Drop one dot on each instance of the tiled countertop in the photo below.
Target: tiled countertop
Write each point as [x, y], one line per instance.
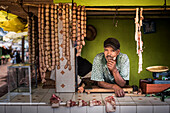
[41, 103]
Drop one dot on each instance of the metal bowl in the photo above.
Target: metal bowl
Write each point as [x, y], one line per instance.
[157, 68]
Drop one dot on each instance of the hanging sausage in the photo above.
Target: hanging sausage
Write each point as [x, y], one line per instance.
[53, 38]
[39, 41]
[50, 19]
[82, 25]
[42, 39]
[64, 31]
[57, 54]
[74, 19]
[47, 39]
[79, 46]
[29, 37]
[68, 64]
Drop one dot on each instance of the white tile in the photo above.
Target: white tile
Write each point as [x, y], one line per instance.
[96, 96]
[2, 109]
[43, 90]
[117, 110]
[161, 109]
[143, 103]
[45, 109]
[77, 109]
[51, 91]
[66, 96]
[78, 96]
[127, 103]
[72, 59]
[4, 98]
[29, 109]
[104, 95]
[144, 109]
[127, 109]
[40, 90]
[13, 109]
[47, 97]
[95, 109]
[37, 97]
[62, 110]
[87, 97]
[158, 102]
[125, 99]
[65, 82]
[140, 99]
[167, 101]
[21, 98]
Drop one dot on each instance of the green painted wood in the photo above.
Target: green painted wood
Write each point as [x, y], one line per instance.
[62, 1]
[116, 2]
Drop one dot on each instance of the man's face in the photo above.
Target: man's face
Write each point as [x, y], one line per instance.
[110, 53]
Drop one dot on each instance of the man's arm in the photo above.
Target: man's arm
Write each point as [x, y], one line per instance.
[112, 68]
[118, 79]
[105, 84]
[118, 91]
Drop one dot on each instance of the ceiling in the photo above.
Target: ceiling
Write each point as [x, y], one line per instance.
[21, 7]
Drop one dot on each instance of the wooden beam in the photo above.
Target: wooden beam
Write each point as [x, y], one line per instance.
[125, 9]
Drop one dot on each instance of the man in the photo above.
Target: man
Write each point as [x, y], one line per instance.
[111, 68]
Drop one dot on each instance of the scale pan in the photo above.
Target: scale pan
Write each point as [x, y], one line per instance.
[157, 68]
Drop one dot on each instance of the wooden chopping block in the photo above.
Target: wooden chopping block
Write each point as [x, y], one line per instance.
[96, 89]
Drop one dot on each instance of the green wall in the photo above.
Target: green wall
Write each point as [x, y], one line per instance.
[156, 45]
[116, 2]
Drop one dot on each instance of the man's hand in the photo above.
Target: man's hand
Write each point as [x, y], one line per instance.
[80, 90]
[118, 91]
[111, 64]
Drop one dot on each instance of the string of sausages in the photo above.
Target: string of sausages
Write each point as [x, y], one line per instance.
[79, 27]
[73, 31]
[33, 42]
[57, 52]
[138, 36]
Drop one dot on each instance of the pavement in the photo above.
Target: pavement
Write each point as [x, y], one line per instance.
[3, 78]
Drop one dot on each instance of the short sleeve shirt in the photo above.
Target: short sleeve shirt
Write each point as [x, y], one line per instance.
[100, 71]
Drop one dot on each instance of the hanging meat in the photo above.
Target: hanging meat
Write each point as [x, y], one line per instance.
[51, 19]
[43, 69]
[57, 51]
[29, 37]
[47, 39]
[53, 38]
[39, 41]
[68, 64]
[81, 25]
[74, 27]
[64, 31]
[138, 36]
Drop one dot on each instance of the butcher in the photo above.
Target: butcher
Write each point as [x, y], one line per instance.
[111, 68]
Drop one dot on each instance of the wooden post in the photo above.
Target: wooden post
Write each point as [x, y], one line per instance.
[23, 42]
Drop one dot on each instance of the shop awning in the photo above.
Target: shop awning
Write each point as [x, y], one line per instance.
[11, 22]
